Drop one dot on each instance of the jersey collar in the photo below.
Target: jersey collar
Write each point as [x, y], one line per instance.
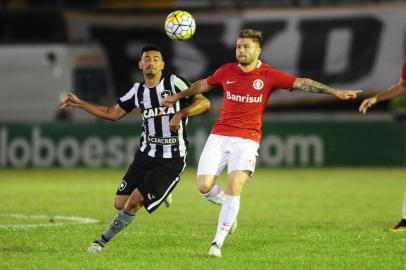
[259, 63]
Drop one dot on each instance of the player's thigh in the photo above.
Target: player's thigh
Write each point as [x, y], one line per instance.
[160, 179]
[243, 155]
[236, 181]
[133, 177]
[214, 156]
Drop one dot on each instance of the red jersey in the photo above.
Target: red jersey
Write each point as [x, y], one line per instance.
[404, 70]
[245, 97]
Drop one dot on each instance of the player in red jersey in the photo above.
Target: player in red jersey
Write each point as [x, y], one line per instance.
[234, 139]
[392, 92]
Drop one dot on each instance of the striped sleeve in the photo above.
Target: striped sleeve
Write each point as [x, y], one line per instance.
[181, 84]
[129, 101]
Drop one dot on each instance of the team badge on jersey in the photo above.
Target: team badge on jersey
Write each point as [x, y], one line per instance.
[258, 84]
[165, 93]
[123, 185]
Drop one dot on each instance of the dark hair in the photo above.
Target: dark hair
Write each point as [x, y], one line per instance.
[151, 47]
[251, 33]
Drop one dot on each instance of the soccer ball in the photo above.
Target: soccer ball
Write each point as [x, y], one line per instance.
[180, 25]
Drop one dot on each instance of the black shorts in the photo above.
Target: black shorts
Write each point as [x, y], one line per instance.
[154, 177]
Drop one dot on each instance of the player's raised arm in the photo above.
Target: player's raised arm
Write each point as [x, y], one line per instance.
[392, 92]
[199, 105]
[312, 86]
[105, 112]
[198, 87]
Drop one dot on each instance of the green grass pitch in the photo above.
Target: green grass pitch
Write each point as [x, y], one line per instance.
[289, 219]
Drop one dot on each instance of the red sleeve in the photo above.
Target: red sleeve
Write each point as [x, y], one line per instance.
[216, 77]
[404, 70]
[281, 80]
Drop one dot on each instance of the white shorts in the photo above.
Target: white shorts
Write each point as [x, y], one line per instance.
[237, 153]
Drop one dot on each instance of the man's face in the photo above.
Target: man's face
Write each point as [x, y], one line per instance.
[247, 51]
[151, 63]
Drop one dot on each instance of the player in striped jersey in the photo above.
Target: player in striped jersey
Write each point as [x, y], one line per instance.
[392, 92]
[160, 160]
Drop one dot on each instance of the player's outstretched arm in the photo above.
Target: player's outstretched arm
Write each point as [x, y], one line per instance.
[199, 104]
[309, 85]
[392, 92]
[105, 112]
[196, 88]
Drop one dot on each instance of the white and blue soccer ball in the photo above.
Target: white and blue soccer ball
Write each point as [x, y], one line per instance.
[180, 25]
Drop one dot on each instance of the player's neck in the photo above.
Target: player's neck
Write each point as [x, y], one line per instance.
[250, 67]
[152, 81]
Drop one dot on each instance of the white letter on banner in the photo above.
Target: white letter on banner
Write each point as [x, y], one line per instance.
[63, 157]
[3, 147]
[92, 152]
[19, 159]
[39, 144]
[268, 144]
[304, 144]
[115, 152]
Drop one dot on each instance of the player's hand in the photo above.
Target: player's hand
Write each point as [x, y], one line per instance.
[369, 102]
[347, 94]
[174, 124]
[70, 100]
[169, 100]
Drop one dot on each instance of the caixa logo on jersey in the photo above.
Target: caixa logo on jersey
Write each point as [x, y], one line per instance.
[157, 111]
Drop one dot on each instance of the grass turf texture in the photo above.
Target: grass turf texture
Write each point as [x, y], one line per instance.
[289, 219]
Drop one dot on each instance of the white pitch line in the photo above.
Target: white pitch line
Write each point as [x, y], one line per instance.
[72, 219]
[27, 226]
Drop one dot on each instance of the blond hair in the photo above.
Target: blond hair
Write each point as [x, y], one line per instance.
[256, 36]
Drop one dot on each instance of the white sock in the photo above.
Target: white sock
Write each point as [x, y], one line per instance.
[228, 214]
[215, 195]
[404, 207]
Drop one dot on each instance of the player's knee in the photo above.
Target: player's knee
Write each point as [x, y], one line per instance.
[119, 203]
[204, 185]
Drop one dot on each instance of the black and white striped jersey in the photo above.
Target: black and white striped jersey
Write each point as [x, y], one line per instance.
[157, 140]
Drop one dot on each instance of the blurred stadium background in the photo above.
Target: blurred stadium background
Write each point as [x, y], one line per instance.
[48, 48]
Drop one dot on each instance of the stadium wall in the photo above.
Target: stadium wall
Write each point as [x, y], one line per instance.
[284, 144]
[360, 48]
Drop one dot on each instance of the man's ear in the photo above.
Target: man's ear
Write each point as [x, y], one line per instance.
[139, 64]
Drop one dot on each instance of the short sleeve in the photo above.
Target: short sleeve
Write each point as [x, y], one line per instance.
[282, 80]
[181, 83]
[129, 101]
[404, 70]
[216, 77]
